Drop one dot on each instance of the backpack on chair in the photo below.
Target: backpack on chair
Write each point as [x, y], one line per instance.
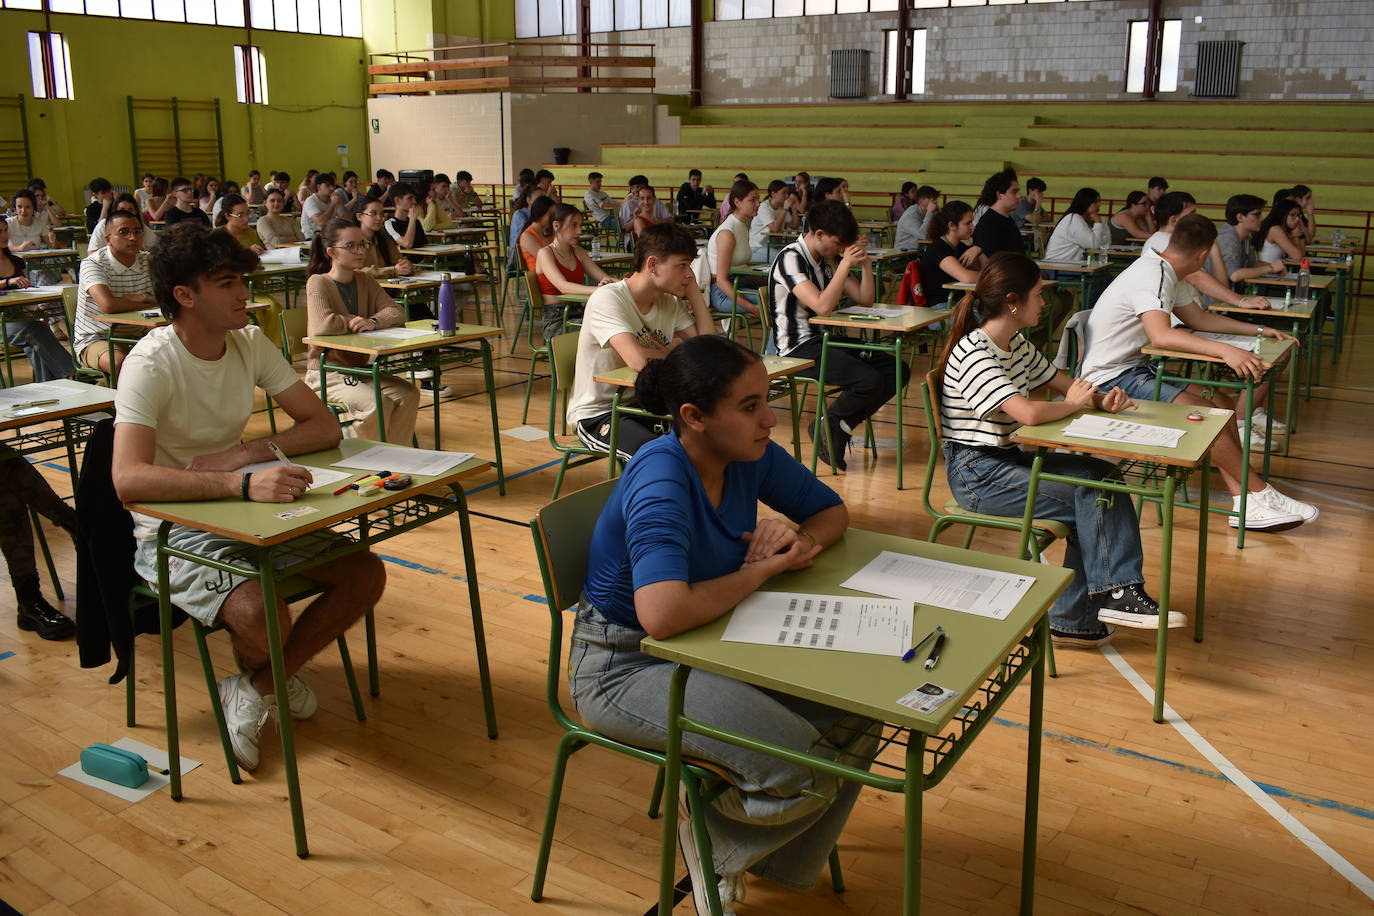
[910, 291]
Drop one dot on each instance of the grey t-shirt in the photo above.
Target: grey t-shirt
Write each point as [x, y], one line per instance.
[1235, 251]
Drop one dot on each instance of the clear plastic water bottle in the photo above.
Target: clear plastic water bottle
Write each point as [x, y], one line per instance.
[1259, 342]
[1339, 236]
[1288, 298]
[596, 245]
[1304, 281]
[448, 307]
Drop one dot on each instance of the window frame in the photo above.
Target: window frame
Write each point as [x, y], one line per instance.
[226, 15]
[45, 79]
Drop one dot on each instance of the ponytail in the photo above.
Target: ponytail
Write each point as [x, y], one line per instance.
[699, 371]
[1007, 277]
[323, 238]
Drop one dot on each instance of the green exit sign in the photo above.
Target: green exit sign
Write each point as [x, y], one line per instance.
[376, 125]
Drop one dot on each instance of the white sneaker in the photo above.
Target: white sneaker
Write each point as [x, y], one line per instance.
[687, 842]
[444, 390]
[1288, 504]
[1257, 441]
[1261, 516]
[244, 715]
[422, 374]
[1259, 418]
[300, 699]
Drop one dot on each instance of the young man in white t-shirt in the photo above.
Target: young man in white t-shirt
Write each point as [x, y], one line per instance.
[1135, 311]
[322, 206]
[185, 393]
[114, 279]
[597, 201]
[642, 317]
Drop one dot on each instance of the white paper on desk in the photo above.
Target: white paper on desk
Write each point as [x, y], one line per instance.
[846, 624]
[319, 477]
[50, 289]
[400, 460]
[872, 310]
[1243, 341]
[290, 255]
[1114, 429]
[400, 333]
[438, 275]
[34, 391]
[969, 589]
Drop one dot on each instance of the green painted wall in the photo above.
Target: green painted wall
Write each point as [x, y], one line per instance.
[315, 85]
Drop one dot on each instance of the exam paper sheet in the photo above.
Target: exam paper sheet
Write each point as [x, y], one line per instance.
[984, 592]
[33, 391]
[845, 624]
[400, 460]
[400, 333]
[319, 477]
[1115, 429]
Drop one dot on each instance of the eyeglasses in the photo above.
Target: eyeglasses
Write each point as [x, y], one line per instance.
[131, 233]
[238, 215]
[354, 246]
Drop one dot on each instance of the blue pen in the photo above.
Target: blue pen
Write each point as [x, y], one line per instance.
[909, 654]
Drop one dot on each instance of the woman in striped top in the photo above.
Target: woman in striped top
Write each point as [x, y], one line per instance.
[987, 374]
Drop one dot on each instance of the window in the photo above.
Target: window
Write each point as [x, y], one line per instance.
[310, 17]
[50, 66]
[918, 62]
[1168, 57]
[555, 18]
[250, 75]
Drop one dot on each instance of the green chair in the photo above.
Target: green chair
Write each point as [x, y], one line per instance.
[533, 300]
[562, 531]
[82, 374]
[562, 366]
[293, 323]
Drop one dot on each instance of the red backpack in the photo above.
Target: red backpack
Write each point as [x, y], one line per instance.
[910, 291]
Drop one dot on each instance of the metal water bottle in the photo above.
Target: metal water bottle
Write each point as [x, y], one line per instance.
[448, 307]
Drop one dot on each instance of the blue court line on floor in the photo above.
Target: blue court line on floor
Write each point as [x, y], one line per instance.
[510, 477]
[1269, 788]
[5, 655]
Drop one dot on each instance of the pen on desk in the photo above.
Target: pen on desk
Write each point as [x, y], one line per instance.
[346, 487]
[935, 652]
[278, 453]
[865, 317]
[909, 654]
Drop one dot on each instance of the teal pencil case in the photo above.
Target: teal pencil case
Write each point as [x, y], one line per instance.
[114, 764]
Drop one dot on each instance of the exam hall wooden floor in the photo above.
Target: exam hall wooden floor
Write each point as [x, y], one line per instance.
[417, 811]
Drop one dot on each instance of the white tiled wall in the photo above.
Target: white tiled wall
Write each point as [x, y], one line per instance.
[1295, 49]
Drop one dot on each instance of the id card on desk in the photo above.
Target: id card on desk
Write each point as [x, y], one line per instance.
[926, 698]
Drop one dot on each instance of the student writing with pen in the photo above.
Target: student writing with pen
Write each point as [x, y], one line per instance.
[986, 376]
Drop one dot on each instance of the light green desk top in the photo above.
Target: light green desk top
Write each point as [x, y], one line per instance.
[1301, 309]
[871, 684]
[425, 281]
[16, 298]
[775, 366]
[580, 298]
[1318, 281]
[1199, 435]
[276, 270]
[1071, 267]
[1272, 352]
[46, 253]
[258, 524]
[446, 249]
[78, 398]
[372, 345]
[961, 286]
[151, 317]
[1339, 263]
[914, 318]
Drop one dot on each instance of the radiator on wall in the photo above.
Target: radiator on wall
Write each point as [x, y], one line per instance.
[1218, 69]
[849, 74]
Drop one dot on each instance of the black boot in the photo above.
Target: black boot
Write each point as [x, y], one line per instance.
[42, 618]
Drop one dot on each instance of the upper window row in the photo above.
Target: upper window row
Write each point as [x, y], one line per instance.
[312, 17]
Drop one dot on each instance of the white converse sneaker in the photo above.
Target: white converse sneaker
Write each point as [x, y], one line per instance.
[1288, 504]
[1257, 441]
[1261, 516]
[696, 871]
[1259, 418]
[300, 699]
[244, 715]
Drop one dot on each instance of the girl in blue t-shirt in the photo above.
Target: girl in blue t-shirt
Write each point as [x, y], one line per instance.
[679, 544]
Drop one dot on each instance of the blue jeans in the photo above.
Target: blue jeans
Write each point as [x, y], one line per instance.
[50, 360]
[780, 820]
[1104, 534]
[1139, 384]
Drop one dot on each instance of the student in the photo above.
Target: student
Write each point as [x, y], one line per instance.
[940, 262]
[1303, 195]
[630, 205]
[381, 260]
[1154, 190]
[322, 206]
[1244, 217]
[198, 186]
[29, 227]
[988, 196]
[435, 216]
[728, 247]
[650, 212]
[598, 202]
[692, 197]
[777, 213]
[307, 187]
[184, 207]
[1280, 235]
[26, 491]
[144, 193]
[918, 221]
[518, 221]
[833, 189]
[230, 187]
[523, 181]
[347, 192]
[725, 204]
[904, 199]
[544, 179]
[1135, 311]
[342, 299]
[535, 235]
[99, 235]
[1130, 221]
[404, 227]
[49, 359]
[114, 279]
[1079, 230]
[629, 323]
[801, 186]
[209, 195]
[678, 544]
[233, 219]
[102, 197]
[1028, 211]
[468, 199]
[443, 196]
[253, 191]
[810, 277]
[159, 199]
[46, 205]
[275, 230]
[383, 188]
[986, 377]
[563, 267]
[996, 230]
[183, 399]
[282, 182]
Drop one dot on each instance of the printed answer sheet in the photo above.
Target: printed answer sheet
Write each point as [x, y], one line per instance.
[1114, 429]
[845, 624]
[985, 592]
[319, 477]
[400, 460]
[1242, 341]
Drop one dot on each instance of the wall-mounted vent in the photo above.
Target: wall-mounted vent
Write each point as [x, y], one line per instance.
[849, 74]
[1218, 69]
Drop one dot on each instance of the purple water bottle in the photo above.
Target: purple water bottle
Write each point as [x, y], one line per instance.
[448, 308]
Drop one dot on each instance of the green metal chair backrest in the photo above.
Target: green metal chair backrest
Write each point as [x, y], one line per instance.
[534, 336]
[293, 327]
[930, 400]
[562, 367]
[562, 534]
